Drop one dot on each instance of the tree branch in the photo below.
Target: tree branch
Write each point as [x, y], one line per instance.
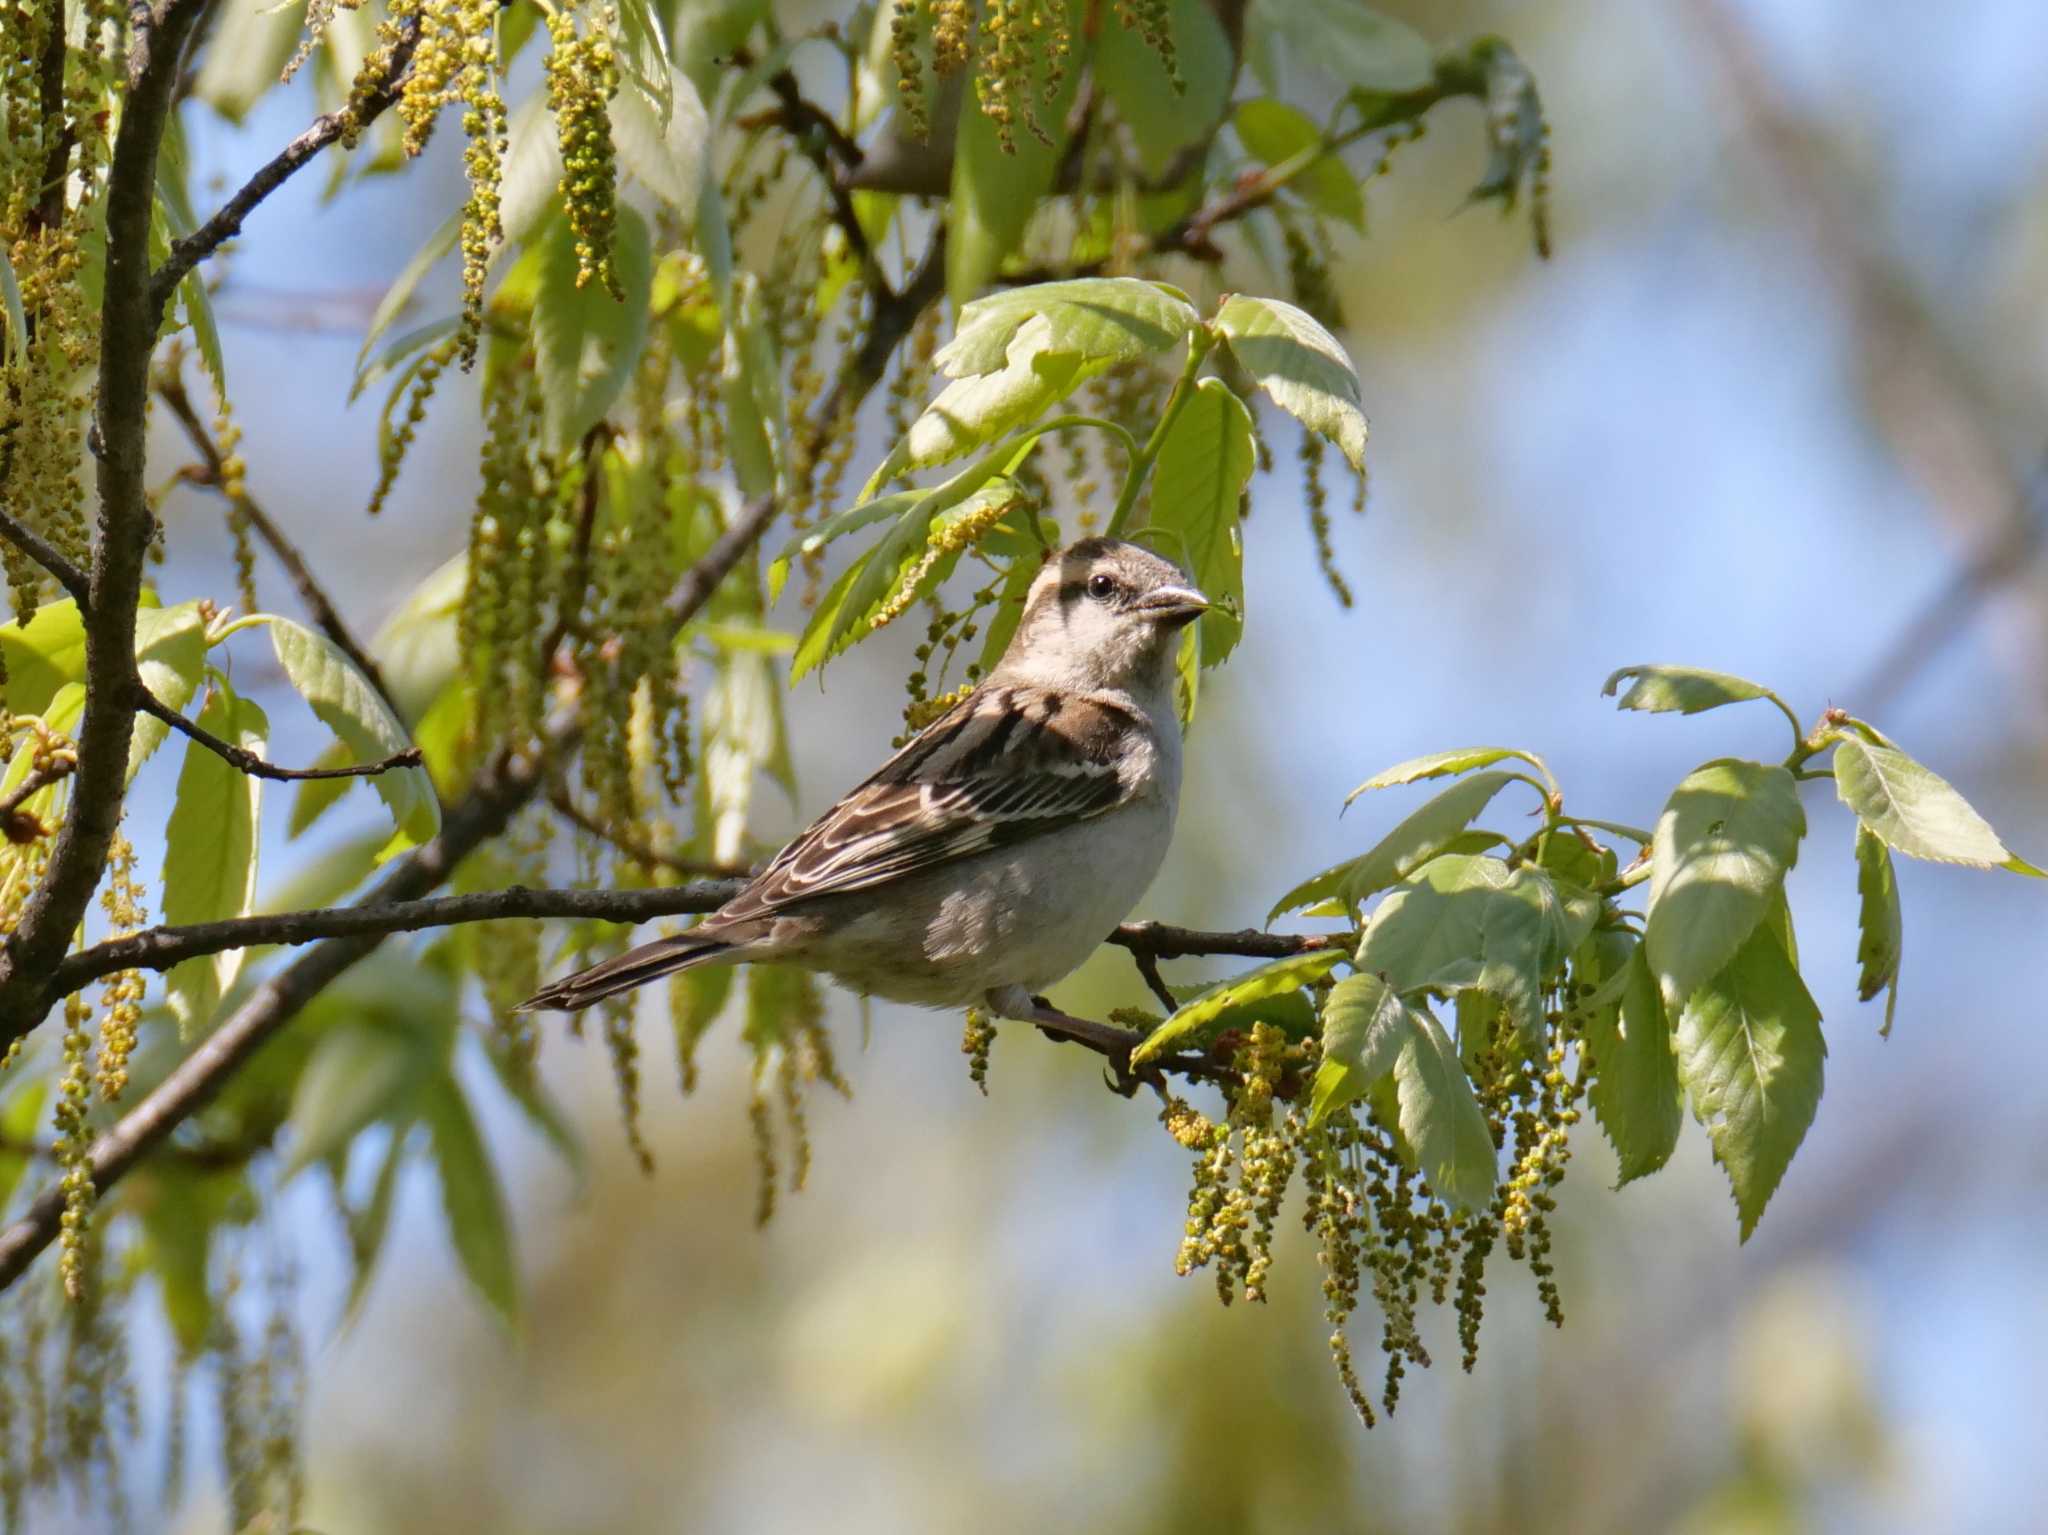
[128, 327]
[640, 852]
[324, 130]
[255, 766]
[326, 617]
[44, 553]
[16, 825]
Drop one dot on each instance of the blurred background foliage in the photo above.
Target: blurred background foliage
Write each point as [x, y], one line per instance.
[1771, 407]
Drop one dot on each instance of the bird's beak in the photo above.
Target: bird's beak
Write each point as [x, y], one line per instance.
[1172, 606]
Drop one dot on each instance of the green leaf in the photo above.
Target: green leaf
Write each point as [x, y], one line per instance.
[417, 648]
[852, 520]
[1161, 119]
[1198, 485]
[346, 704]
[1679, 689]
[1440, 1116]
[1750, 1054]
[586, 342]
[258, 39]
[1274, 133]
[749, 379]
[1098, 319]
[664, 150]
[1464, 922]
[1008, 612]
[1727, 835]
[1260, 994]
[1914, 810]
[43, 655]
[1635, 1093]
[1881, 930]
[1419, 837]
[1300, 366]
[170, 655]
[406, 347]
[179, 1211]
[529, 194]
[367, 1228]
[18, 1121]
[994, 194]
[1447, 764]
[1357, 47]
[1365, 1025]
[209, 870]
[358, 1075]
[402, 288]
[205, 332]
[644, 62]
[743, 736]
[980, 408]
[471, 1198]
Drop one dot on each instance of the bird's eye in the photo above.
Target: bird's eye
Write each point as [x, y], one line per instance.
[1102, 587]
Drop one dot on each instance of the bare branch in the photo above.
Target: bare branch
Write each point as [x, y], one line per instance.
[39, 549]
[1156, 940]
[255, 766]
[324, 130]
[326, 617]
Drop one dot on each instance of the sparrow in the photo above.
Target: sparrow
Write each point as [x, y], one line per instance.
[991, 855]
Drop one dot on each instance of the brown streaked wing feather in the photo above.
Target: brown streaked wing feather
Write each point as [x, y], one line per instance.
[1005, 764]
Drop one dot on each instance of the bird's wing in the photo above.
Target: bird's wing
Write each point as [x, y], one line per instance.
[1005, 764]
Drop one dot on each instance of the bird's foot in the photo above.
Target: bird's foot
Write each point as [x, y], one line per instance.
[1105, 1039]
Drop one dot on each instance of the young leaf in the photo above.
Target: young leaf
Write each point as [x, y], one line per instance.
[1365, 1025]
[995, 191]
[471, 1198]
[232, 78]
[529, 193]
[1420, 837]
[170, 654]
[1635, 1093]
[1751, 1056]
[1440, 1116]
[1468, 923]
[852, 520]
[662, 141]
[1881, 931]
[1198, 486]
[1679, 689]
[1727, 835]
[1914, 810]
[1300, 366]
[347, 705]
[1446, 764]
[1098, 319]
[210, 851]
[586, 342]
[1273, 133]
[980, 408]
[1240, 1001]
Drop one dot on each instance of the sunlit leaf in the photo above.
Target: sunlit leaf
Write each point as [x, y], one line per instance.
[1099, 319]
[233, 77]
[1678, 689]
[664, 150]
[1301, 367]
[1914, 810]
[1880, 929]
[1365, 1026]
[1445, 764]
[1440, 1116]
[1275, 133]
[1258, 995]
[1635, 1092]
[585, 341]
[209, 868]
[1418, 838]
[399, 294]
[471, 1197]
[1353, 44]
[170, 655]
[1198, 484]
[1161, 119]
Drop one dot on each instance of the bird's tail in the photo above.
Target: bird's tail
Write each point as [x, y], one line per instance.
[635, 967]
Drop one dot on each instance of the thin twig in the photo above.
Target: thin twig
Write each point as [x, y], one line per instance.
[326, 617]
[257, 767]
[39, 549]
[225, 224]
[1160, 941]
[640, 852]
[18, 826]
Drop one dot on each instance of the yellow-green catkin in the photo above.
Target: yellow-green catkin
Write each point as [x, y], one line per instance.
[582, 78]
[73, 1148]
[121, 1000]
[976, 1038]
[393, 442]
[903, 52]
[623, 1045]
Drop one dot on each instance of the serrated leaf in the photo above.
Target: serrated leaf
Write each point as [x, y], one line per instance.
[1679, 689]
[1465, 922]
[1274, 133]
[1365, 1026]
[1419, 837]
[42, 655]
[1301, 367]
[209, 869]
[1161, 119]
[170, 655]
[1198, 485]
[664, 150]
[1635, 1093]
[346, 704]
[471, 1198]
[1722, 846]
[980, 408]
[1880, 928]
[586, 342]
[994, 193]
[1750, 1054]
[1913, 809]
[1440, 1116]
[1444, 765]
[1099, 319]
[1260, 994]
[813, 539]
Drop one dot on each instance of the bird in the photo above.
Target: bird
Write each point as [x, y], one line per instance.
[989, 856]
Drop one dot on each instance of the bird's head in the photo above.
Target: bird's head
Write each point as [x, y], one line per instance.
[1102, 614]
